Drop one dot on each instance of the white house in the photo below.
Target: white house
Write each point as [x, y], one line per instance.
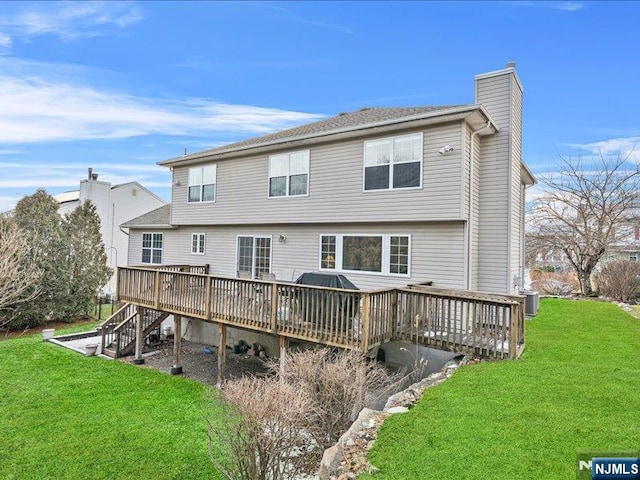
[115, 205]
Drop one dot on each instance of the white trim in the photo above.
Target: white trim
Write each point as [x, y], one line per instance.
[253, 252]
[288, 174]
[385, 253]
[202, 184]
[391, 163]
[152, 248]
[202, 244]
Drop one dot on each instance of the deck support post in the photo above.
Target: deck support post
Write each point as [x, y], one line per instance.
[514, 317]
[284, 347]
[138, 360]
[176, 369]
[366, 319]
[222, 352]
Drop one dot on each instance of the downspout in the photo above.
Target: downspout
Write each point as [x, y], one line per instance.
[470, 223]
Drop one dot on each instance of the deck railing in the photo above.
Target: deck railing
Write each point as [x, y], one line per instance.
[489, 325]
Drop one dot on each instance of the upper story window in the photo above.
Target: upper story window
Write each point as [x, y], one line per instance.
[289, 174]
[394, 162]
[202, 184]
[152, 248]
[197, 243]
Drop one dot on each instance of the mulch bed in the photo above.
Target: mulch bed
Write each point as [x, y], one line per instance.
[201, 366]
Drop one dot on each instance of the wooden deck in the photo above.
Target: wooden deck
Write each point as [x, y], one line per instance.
[460, 321]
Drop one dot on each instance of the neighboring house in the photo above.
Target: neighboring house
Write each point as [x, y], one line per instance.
[386, 196]
[115, 205]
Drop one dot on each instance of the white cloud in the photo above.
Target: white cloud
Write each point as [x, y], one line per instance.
[69, 20]
[5, 41]
[625, 146]
[36, 109]
[28, 176]
[570, 6]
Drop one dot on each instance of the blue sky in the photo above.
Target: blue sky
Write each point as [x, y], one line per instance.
[121, 86]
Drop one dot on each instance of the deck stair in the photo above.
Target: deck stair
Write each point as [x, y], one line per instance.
[119, 330]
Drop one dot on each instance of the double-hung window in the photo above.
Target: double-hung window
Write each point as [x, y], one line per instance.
[202, 184]
[386, 254]
[289, 174]
[152, 248]
[394, 162]
[197, 243]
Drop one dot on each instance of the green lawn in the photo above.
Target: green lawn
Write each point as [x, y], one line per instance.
[65, 416]
[576, 388]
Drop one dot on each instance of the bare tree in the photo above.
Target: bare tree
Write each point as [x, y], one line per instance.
[581, 206]
[19, 275]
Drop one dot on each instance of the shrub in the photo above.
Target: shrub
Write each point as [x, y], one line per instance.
[279, 427]
[264, 434]
[620, 280]
[340, 384]
[556, 283]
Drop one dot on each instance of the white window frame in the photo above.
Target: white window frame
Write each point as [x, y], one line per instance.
[151, 248]
[386, 253]
[254, 251]
[201, 184]
[391, 163]
[288, 174]
[200, 243]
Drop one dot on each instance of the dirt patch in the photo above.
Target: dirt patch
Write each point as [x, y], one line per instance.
[200, 362]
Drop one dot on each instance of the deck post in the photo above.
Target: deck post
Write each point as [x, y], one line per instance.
[391, 329]
[514, 315]
[176, 369]
[156, 290]
[222, 352]
[208, 299]
[138, 360]
[366, 319]
[273, 313]
[283, 355]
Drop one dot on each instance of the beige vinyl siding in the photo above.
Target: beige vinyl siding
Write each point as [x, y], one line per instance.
[516, 250]
[335, 188]
[437, 250]
[494, 202]
[475, 213]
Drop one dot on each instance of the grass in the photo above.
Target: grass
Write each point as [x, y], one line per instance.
[576, 388]
[65, 416]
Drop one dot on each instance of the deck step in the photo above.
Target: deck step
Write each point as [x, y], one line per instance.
[109, 352]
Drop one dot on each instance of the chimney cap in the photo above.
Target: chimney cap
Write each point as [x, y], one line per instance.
[511, 64]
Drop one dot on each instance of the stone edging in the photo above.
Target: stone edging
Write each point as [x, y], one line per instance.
[348, 458]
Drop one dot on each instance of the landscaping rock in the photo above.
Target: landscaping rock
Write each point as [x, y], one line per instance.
[355, 444]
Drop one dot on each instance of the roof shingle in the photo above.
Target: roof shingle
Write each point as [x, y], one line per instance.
[341, 122]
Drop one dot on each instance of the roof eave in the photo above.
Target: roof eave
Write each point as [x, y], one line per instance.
[440, 116]
[526, 175]
[149, 226]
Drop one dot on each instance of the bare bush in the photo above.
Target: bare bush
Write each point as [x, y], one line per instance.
[340, 384]
[279, 427]
[262, 434]
[558, 283]
[620, 280]
[19, 275]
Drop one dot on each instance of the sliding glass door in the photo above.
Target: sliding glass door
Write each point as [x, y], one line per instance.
[254, 256]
